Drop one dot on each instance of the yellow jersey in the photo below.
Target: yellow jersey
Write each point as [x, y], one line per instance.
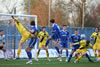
[96, 37]
[43, 36]
[83, 45]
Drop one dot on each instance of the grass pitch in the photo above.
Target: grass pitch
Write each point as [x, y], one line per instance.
[44, 63]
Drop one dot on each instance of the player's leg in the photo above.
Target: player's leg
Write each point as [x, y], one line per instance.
[47, 53]
[5, 55]
[66, 46]
[79, 57]
[19, 49]
[48, 40]
[38, 54]
[70, 56]
[88, 57]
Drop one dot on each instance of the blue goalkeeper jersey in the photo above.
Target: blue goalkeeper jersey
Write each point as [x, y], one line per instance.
[64, 36]
[56, 30]
[75, 38]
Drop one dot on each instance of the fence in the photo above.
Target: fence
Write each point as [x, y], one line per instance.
[13, 36]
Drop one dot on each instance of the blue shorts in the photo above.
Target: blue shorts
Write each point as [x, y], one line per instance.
[75, 47]
[32, 42]
[55, 37]
[64, 45]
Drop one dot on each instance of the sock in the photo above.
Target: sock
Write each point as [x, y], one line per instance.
[5, 55]
[18, 52]
[38, 53]
[76, 56]
[29, 55]
[79, 58]
[57, 49]
[47, 43]
[88, 56]
[99, 54]
[47, 54]
[66, 54]
[70, 57]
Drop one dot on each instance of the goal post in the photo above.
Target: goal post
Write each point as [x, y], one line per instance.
[23, 15]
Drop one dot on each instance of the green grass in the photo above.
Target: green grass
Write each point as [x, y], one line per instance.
[44, 63]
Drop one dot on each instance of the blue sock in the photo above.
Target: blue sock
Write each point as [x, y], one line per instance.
[29, 55]
[66, 54]
[47, 43]
[88, 57]
[70, 57]
[57, 49]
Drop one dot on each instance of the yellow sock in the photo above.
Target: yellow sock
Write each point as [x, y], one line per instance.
[38, 53]
[95, 53]
[18, 52]
[79, 58]
[47, 54]
[99, 54]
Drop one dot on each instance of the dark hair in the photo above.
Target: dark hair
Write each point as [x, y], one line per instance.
[1, 30]
[32, 23]
[52, 21]
[76, 29]
[43, 27]
[64, 25]
[87, 42]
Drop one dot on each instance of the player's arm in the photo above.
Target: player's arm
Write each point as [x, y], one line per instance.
[90, 45]
[92, 36]
[31, 31]
[78, 43]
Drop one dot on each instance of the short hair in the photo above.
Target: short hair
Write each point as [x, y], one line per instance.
[76, 29]
[1, 30]
[64, 25]
[43, 27]
[52, 20]
[32, 23]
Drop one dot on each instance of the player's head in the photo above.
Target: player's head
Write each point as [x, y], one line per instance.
[87, 42]
[82, 36]
[52, 21]
[64, 27]
[43, 28]
[97, 29]
[32, 23]
[1, 32]
[76, 31]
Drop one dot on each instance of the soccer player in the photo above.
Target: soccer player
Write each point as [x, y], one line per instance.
[43, 35]
[64, 36]
[74, 38]
[55, 36]
[2, 43]
[32, 41]
[82, 50]
[25, 34]
[96, 47]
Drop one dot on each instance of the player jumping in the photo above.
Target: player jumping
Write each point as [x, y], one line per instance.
[25, 34]
[55, 36]
[64, 36]
[43, 35]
